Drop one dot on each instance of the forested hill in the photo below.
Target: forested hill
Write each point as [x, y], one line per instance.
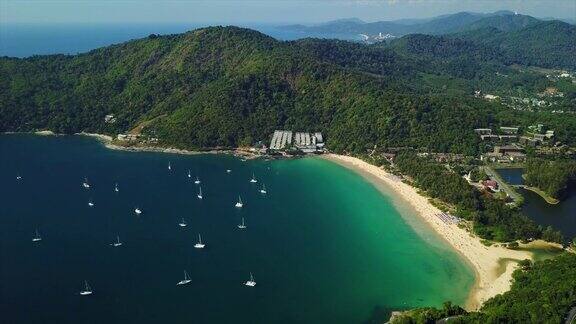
[549, 44]
[228, 86]
[445, 24]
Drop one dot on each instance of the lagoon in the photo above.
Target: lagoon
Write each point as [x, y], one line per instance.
[561, 216]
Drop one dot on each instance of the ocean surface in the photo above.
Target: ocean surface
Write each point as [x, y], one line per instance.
[324, 245]
[561, 216]
[22, 40]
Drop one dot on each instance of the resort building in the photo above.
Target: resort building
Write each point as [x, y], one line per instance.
[281, 140]
[109, 119]
[509, 130]
[505, 154]
[490, 184]
[300, 141]
[483, 131]
[127, 137]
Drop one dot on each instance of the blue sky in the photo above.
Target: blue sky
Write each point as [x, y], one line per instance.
[260, 11]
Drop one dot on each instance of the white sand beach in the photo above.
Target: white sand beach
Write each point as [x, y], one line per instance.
[486, 261]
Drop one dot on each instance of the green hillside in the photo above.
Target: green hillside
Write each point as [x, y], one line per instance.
[550, 44]
[541, 293]
[228, 86]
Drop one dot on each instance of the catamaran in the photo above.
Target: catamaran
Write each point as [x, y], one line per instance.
[263, 190]
[185, 281]
[197, 181]
[199, 245]
[242, 225]
[199, 193]
[37, 237]
[87, 290]
[117, 243]
[182, 223]
[253, 180]
[251, 282]
[85, 184]
[116, 187]
[239, 204]
[90, 203]
[18, 177]
[138, 211]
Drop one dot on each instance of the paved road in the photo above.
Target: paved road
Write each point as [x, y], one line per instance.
[516, 197]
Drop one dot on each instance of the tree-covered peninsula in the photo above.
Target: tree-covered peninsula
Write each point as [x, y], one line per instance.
[554, 177]
[543, 292]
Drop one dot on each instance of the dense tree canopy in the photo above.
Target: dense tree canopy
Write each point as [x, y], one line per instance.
[491, 218]
[542, 293]
[552, 176]
[227, 86]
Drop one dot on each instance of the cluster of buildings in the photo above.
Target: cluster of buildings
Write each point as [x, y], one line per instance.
[376, 38]
[505, 154]
[136, 137]
[511, 143]
[283, 140]
[507, 134]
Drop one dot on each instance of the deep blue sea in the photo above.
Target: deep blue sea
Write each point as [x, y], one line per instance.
[23, 40]
[324, 245]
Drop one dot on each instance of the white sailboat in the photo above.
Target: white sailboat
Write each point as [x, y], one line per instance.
[85, 184]
[18, 177]
[253, 180]
[185, 281]
[199, 193]
[137, 211]
[87, 290]
[242, 225]
[117, 243]
[182, 223]
[189, 174]
[199, 245]
[169, 166]
[90, 203]
[228, 170]
[197, 181]
[263, 190]
[251, 282]
[37, 237]
[239, 204]
[116, 187]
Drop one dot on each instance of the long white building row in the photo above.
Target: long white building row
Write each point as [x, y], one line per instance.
[307, 142]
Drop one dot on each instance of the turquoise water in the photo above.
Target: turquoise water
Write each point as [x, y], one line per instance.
[324, 245]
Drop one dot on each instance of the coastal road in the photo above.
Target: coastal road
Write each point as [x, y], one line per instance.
[516, 197]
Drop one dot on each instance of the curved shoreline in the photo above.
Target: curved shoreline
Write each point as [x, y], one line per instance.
[486, 261]
[490, 280]
[550, 200]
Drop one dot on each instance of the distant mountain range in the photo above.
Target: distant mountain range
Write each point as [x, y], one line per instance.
[505, 36]
[445, 24]
[230, 87]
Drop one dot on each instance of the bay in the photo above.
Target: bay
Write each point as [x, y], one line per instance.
[324, 244]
